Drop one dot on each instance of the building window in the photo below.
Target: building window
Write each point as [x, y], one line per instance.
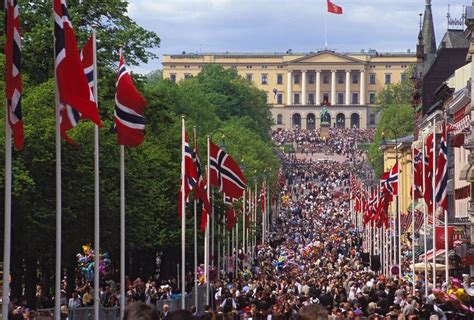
[403, 77]
[355, 78]
[355, 98]
[279, 118]
[372, 78]
[311, 98]
[249, 76]
[173, 77]
[325, 97]
[279, 79]
[264, 78]
[187, 76]
[279, 98]
[311, 78]
[340, 78]
[296, 98]
[325, 78]
[296, 79]
[372, 119]
[372, 97]
[340, 98]
[388, 78]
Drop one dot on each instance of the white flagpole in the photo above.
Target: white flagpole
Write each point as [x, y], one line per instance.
[209, 216]
[236, 245]
[122, 231]
[96, 188]
[413, 215]
[326, 31]
[445, 212]
[195, 235]
[425, 242]
[7, 223]
[243, 221]
[183, 219]
[434, 202]
[57, 282]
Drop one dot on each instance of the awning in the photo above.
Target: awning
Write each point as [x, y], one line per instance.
[458, 140]
[459, 126]
[429, 255]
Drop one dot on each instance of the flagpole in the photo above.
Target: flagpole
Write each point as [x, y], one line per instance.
[413, 214]
[425, 242]
[96, 187]
[434, 201]
[7, 223]
[195, 234]
[57, 282]
[209, 215]
[399, 191]
[445, 213]
[122, 231]
[326, 31]
[243, 221]
[183, 218]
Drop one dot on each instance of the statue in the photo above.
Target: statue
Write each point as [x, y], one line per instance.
[324, 114]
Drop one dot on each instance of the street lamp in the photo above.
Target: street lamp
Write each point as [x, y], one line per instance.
[222, 145]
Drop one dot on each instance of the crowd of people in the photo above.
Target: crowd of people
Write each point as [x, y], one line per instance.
[312, 266]
[342, 141]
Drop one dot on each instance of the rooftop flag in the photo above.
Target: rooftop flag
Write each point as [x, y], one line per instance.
[333, 8]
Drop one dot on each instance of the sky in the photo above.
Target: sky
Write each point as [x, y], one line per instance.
[197, 26]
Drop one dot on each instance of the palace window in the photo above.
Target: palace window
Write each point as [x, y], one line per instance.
[311, 78]
[264, 78]
[355, 78]
[355, 98]
[372, 78]
[340, 98]
[187, 76]
[173, 77]
[388, 78]
[296, 79]
[403, 77]
[340, 78]
[249, 76]
[311, 98]
[372, 97]
[279, 118]
[279, 98]
[296, 98]
[372, 119]
[325, 97]
[279, 79]
[325, 78]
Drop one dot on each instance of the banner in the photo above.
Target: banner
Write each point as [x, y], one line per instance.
[440, 237]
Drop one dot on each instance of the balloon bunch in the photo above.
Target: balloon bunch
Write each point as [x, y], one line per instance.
[456, 296]
[202, 277]
[85, 262]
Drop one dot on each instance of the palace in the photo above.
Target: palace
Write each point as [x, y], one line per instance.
[300, 85]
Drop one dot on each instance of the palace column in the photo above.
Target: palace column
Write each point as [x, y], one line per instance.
[318, 88]
[348, 87]
[333, 87]
[303, 87]
[289, 91]
[362, 88]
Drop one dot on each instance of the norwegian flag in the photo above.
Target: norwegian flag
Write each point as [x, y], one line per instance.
[442, 171]
[200, 192]
[73, 87]
[263, 197]
[13, 85]
[225, 173]
[190, 174]
[418, 220]
[129, 109]
[392, 180]
[69, 116]
[357, 204]
[428, 189]
[418, 173]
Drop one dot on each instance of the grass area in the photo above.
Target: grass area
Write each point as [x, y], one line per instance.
[363, 146]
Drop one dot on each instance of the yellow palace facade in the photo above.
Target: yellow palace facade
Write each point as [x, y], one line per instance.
[300, 85]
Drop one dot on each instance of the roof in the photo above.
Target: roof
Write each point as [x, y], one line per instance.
[454, 39]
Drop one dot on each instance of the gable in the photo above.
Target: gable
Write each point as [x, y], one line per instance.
[326, 57]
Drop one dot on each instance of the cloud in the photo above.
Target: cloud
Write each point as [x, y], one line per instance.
[277, 25]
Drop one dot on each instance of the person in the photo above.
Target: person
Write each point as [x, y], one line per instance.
[312, 312]
[166, 311]
[141, 311]
[74, 301]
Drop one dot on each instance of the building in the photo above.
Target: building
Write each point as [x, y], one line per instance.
[299, 85]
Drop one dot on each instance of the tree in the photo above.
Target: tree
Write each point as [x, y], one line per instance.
[397, 117]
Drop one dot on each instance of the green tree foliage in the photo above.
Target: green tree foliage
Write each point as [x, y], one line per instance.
[217, 101]
[396, 120]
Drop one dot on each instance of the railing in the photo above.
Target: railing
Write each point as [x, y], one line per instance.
[87, 313]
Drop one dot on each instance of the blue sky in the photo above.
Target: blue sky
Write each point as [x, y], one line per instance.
[278, 25]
